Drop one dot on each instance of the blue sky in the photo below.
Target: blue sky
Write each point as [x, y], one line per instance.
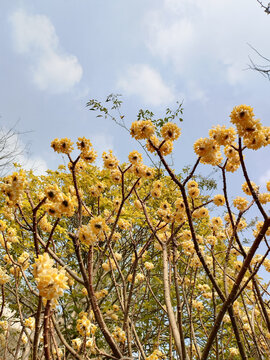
[56, 55]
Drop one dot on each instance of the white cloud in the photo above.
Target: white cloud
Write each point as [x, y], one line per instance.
[145, 82]
[208, 36]
[264, 178]
[52, 68]
[195, 93]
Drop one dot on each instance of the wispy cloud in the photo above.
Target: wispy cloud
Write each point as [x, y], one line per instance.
[264, 178]
[199, 37]
[144, 81]
[52, 69]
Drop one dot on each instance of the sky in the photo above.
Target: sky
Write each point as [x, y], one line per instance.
[56, 55]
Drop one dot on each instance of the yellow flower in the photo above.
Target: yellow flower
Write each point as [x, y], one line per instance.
[62, 146]
[246, 189]
[219, 200]
[242, 115]
[3, 225]
[51, 281]
[166, 148]
[89, 156]
[135, 157]
[109, 160]
[170, 131]
[152, 143]
[83, 144]
[194, 192]
[222, 135]
[255, 141]
[30, 323]
[149, 266]
[240, 203]
[4, 278]
[86, 235]
[142, 129]
[98, 225]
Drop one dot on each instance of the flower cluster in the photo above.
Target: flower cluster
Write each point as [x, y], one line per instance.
[193, 189]
[51, 281]
[13, 187]
[86, 235]
[64, 146]
[222, 135]
[119, 335]
[88, 154]
[85, 327]
[58, 204]
[240, 203]
[254, 134]
[145, 129]
[4, 278]
[142, 129]
[44, 224]
[109, 160]
[208, 150]
[156, 354]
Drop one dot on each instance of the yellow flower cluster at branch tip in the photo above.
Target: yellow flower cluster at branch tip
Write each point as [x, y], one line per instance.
[51, 281]
[219, 200]
[170, 131]
[193, 189]
[101, 294]
[62, 146]
[109, 160]
[4, 278]
[208, 150]
[254, 134]
[142, 129]
[135, 157]
[222, 135]
[119, 335]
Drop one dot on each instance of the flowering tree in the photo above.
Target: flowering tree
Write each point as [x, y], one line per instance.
[137, 262]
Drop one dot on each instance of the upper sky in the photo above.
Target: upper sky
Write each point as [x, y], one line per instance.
[56, 55]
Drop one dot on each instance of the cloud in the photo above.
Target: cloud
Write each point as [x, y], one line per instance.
[144, 81]
[195, 93]
[265, 178]
[199, 38]
[52, 69]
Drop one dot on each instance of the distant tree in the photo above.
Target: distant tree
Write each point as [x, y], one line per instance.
[10, 148]
[266, 7]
